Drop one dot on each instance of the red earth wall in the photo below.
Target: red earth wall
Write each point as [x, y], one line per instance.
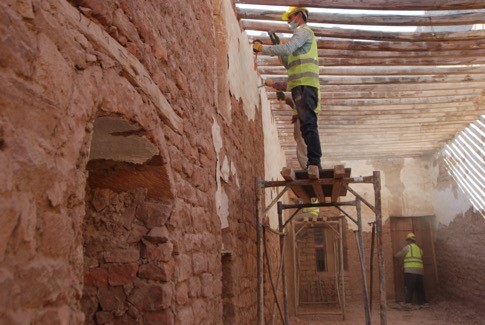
[72, 239]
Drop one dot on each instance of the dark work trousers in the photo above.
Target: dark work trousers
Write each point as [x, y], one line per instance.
[414, 282]
[306, 100]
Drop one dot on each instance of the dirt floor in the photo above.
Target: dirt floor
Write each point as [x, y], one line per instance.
[440, 311]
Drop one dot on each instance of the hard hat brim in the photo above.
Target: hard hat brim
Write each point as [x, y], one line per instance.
[293, 10]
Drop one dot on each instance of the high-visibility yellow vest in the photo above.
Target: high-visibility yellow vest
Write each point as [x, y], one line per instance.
[303, 69]
[313, 210]
[414, 257]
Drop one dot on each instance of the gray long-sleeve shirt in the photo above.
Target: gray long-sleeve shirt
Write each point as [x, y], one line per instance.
[299, 43]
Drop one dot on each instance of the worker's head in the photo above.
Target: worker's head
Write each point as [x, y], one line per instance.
[411, 237]
[295, 16]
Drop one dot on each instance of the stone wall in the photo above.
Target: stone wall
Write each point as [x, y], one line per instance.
[461, 259]
[458, 199]
[114, 239]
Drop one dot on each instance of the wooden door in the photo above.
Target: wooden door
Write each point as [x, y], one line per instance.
[422, 228]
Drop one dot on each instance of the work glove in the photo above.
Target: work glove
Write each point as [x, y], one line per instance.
[275, 40]
[280, 95]
[257, 46]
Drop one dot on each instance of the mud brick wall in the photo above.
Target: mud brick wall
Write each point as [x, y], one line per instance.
[129, 261]
[460, 258]
[101, 241]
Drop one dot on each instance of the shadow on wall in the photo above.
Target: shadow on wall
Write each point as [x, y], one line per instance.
[128, 256]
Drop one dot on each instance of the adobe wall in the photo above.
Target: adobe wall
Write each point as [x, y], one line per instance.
[412, 187]
[407, 191]
[457, 177]
[111, 237]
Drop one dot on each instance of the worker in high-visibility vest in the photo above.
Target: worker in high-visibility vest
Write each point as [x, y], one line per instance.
[413, 270]
[300, 57]
[311, 212]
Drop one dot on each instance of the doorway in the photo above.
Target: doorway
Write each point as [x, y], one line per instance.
[422, 227]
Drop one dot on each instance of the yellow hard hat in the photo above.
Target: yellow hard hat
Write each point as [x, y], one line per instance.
[411, 236]
[292, 10]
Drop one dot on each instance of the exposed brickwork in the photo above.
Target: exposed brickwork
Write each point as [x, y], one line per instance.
[460, 257]
[147, 229]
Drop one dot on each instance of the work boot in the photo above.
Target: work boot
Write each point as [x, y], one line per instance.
[313, 171]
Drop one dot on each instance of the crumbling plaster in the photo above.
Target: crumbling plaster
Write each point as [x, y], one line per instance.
[405, 187]
[243, 85]
[222, 202]
[274, 156]
[449, 200]
[241, 75]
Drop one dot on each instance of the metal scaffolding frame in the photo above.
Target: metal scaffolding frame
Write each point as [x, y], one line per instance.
[295, 185]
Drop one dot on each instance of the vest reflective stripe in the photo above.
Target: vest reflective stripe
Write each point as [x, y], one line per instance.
[302, 75]
[303, 69]
[413, 258]
[303, 61]
[313, 210]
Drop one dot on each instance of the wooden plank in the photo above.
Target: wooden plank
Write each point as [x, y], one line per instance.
[403, 87]
[401, 70]
[375, 4]
[410, 125]
[264, 25]
[397, 93]
[289, 175]
[268, 71]
[264, 61]
[399, 101]
[330, 118]
[338, 174]
[417, 79]
[318, 189]
[399, 46]
[339, 53]
[429, 19]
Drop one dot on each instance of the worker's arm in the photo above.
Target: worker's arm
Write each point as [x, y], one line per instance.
[278, 85]
[299, 38]
[402, 252]
[284, 61]
[288, 101]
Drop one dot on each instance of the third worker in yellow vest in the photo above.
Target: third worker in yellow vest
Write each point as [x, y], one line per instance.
[413, 270]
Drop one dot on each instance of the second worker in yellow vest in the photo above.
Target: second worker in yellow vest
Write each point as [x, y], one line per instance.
[300, 57]
[413, 270]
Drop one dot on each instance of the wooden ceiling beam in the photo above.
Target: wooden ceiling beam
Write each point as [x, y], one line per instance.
[269, 72]
[398, 70]
[330, 53]
[260, 25]
[404, 87]
[345, 44]
[376, 80]
[268, 61]
[424, 116]
[391, 120]
[374, 4]
[455, 126]
[439, 19]
[418, 93]
[328, 117]
[362, 110]
[389, 137]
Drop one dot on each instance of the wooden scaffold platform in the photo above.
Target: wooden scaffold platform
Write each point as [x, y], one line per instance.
[328, 186]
